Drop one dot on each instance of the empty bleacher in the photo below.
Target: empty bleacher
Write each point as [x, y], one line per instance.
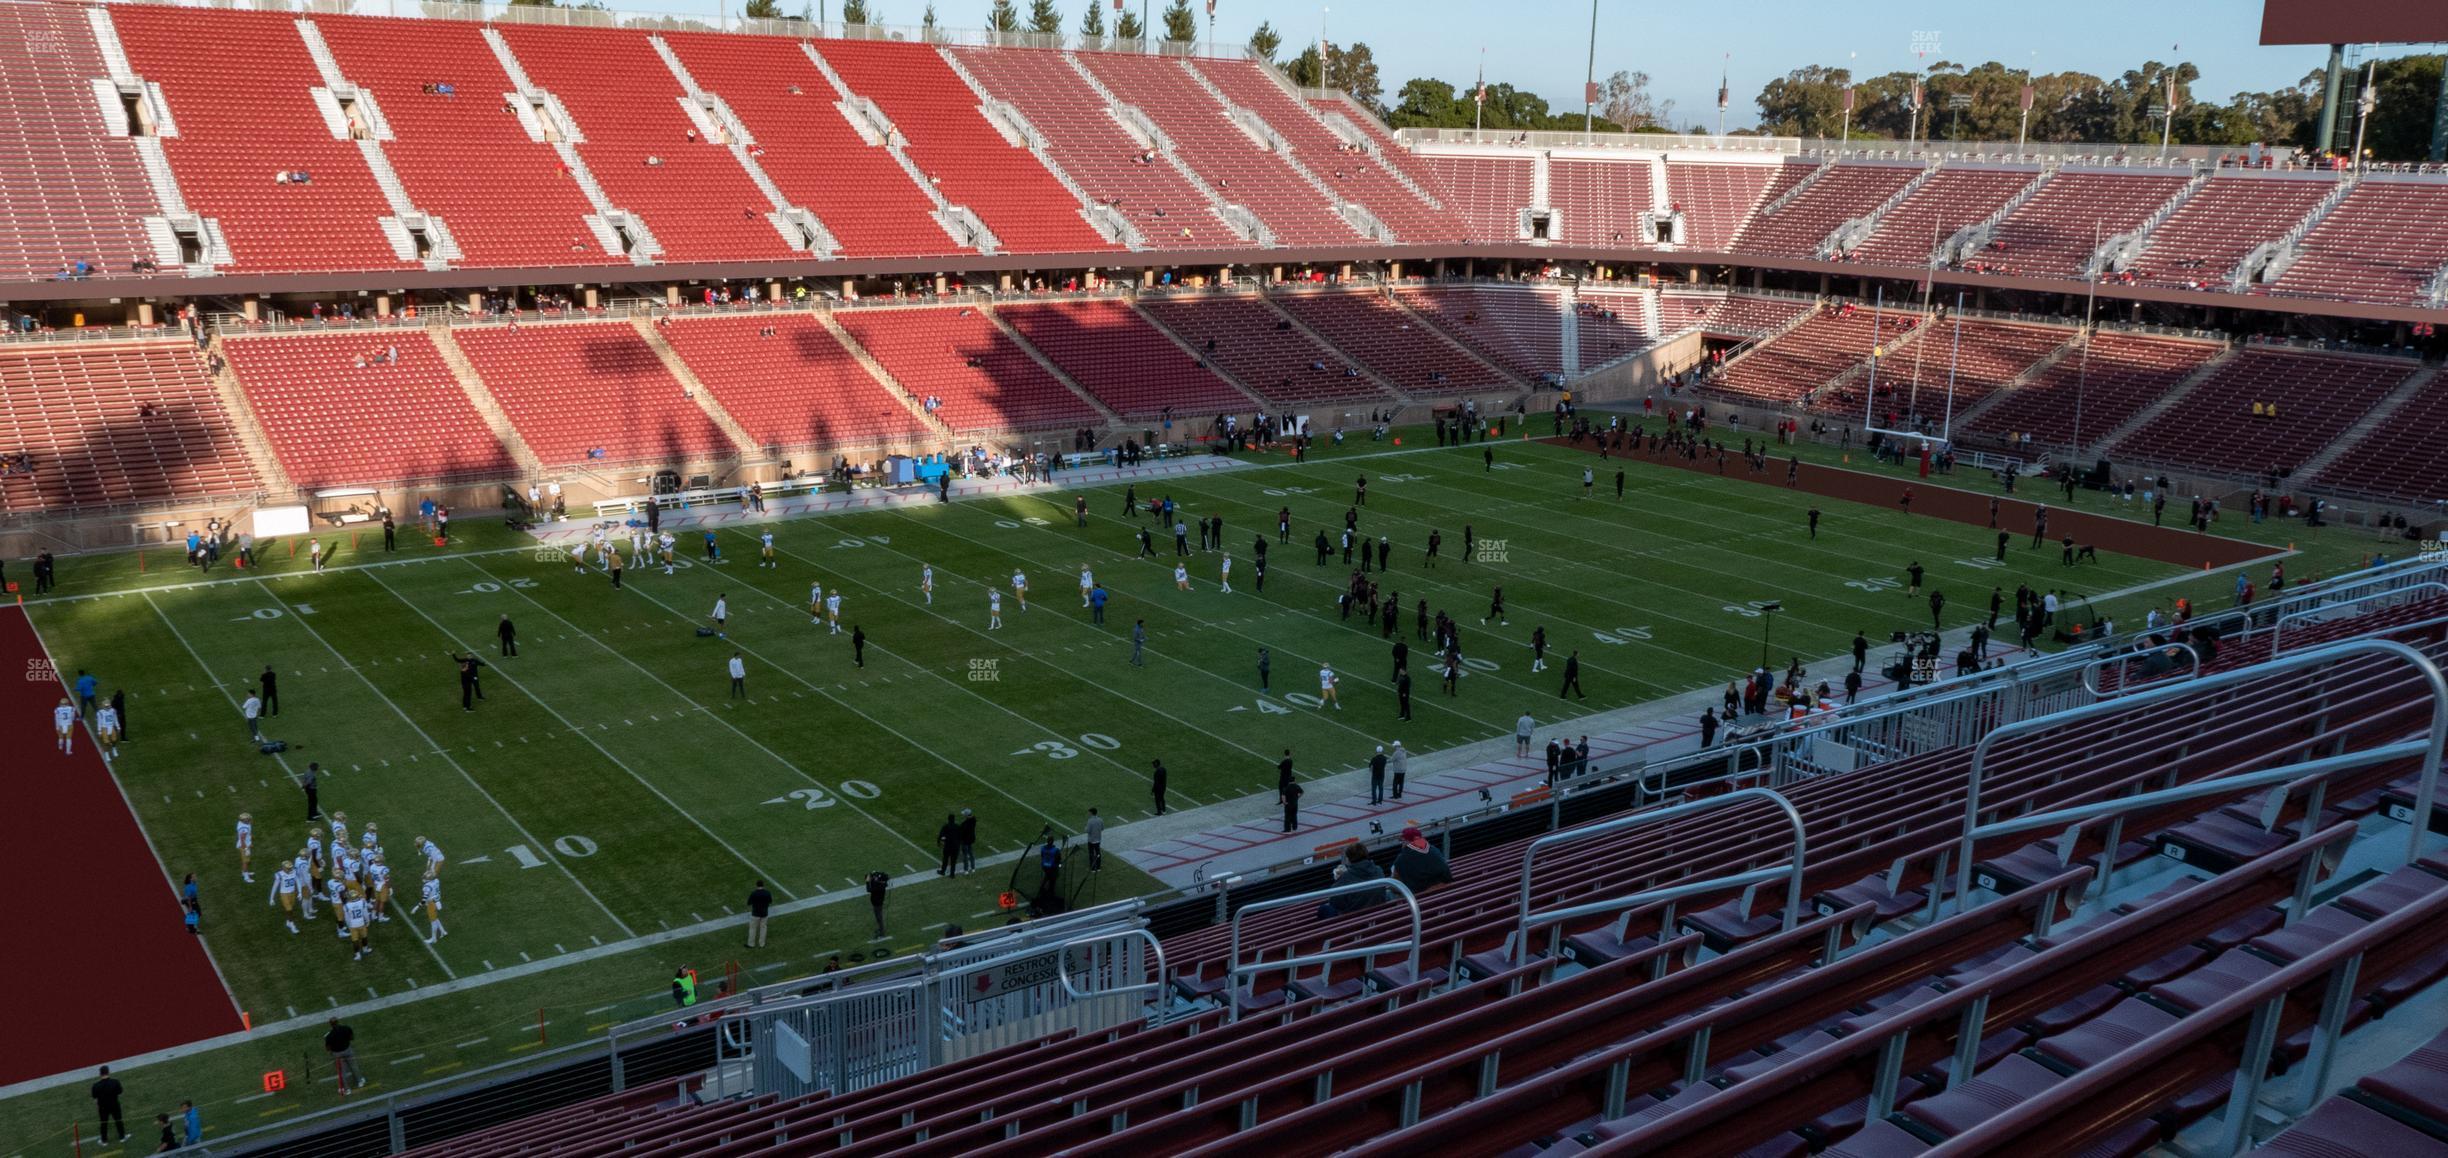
[1970, 365]
[865, 199]
[1613, 323]
[1092, 147]
[2403, 457]
[1355, 175]
[1844, 193]
[1785, 368]
[789, 383]
[1598, 202]
[949, 140]
[1131, 367]
[591, 392]
[71, 190]
[1366, 326]
[1678, 312]
[957, 355]
[1745, 316]
[2054, 233]
[239, 85]
[455, 152]
[336, 417]
[1521, 330]
[1951, 199]
[1262, 350]
[2384, 243]
[1489, 191]
[106, 424]
[2200, 243]
[2092, 390]
[2319, 396]
[1216, 149]
[1716, 200]
[643, 149]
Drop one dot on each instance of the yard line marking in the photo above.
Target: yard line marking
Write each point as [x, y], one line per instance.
[399, 1061]
[607, 753]
[413, 726]
[477, 1042]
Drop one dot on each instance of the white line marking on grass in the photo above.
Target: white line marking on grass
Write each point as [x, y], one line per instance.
[777, 757]
[279, 759]
[521, 829]
[401, 1061]
[607, 753]
[471, 1044]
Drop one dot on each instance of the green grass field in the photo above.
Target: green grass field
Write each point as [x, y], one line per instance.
[608, 801]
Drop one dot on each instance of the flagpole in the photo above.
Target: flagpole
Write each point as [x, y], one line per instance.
[1479, 95]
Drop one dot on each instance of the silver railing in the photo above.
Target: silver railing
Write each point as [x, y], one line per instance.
[2220, 786]
[1235, 970]
[2125, 685]
[1790, 871]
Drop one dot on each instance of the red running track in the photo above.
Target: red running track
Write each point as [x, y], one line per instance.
[86, 907]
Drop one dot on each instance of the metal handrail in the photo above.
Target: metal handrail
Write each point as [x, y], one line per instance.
[1792, 870]
[2091, 671]
[1062, 965]
[2424, 794]
[2278, 629]
[1233, 968]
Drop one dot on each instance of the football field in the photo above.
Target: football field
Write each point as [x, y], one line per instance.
[610, 788]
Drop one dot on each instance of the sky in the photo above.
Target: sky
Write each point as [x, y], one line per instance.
[1543, 45]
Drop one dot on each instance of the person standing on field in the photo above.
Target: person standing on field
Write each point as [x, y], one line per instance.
[739, 677]
[968, 841]
[509, 636]
[947, 842]
[760, 904]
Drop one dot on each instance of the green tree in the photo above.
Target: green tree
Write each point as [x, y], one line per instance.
[1003, 17]
[1265, 42]
[2400, 125]
[1128, 27]
[1179, 22]
[1807, 102]
[1043, 19]
[1352, 70]
[857, 12]
[762, 9]
[1092, 26]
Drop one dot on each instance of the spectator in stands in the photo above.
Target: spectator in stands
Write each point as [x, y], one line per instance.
[1356, 868]
[1418, 865]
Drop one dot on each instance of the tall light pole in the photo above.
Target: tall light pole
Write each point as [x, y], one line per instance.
[2363, 110]
[2082, 378]
[1589, 79]
[1768, 612]
[1844, 136]
[1724, 78]
[2023, 132]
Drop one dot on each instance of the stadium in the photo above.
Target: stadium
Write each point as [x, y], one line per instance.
[580, 508]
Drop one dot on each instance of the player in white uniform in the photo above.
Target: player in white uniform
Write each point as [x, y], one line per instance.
[721, 615]
[106, 730]
[300, 870]
[637, 541]
[1228, 574]
[664, 544]
[994, 612]
[285, 893]
[765, 551]
[1181, 577]
[431, 893]
[433, 854]
[63, 722]
[246, 846]
[926, 582]
[378, 887]
[336, 894]
[833, 611]
[1087, 584]
[816, 601]
[355, 916]
[578, 556]
[1326, 687]
[1020, 589]
[314, 856]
